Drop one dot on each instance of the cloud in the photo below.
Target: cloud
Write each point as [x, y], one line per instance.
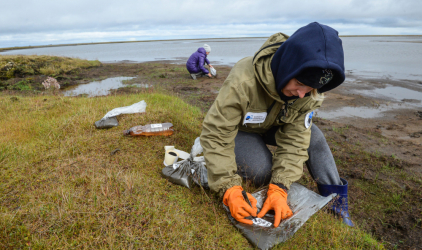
[25, 22]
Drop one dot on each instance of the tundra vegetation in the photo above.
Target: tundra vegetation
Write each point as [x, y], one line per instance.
[65, 184]
[27, 72]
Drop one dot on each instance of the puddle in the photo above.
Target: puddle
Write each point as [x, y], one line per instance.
[407, 98]
[399, 93]
[396, 93]
[359, 112]
[100, 88]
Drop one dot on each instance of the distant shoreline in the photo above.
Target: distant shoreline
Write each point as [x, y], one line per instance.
[144, 41]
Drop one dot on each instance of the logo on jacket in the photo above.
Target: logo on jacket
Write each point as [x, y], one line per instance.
[252, 117]
[328, 76]
[308, 119]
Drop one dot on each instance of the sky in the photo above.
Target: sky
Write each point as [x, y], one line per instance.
[42, 22]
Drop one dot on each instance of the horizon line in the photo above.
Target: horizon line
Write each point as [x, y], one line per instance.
[160, 40]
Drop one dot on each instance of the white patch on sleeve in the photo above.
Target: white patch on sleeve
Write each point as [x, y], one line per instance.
[251, 117]
[308, 119]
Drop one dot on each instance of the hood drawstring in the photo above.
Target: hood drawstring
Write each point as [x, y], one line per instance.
[284, 112]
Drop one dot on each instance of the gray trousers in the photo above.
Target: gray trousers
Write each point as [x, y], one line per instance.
[254, 159]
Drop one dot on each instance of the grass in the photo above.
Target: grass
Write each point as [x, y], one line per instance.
[340, 130]
[61, 186]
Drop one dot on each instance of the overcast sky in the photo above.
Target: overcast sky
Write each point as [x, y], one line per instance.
[30, 22]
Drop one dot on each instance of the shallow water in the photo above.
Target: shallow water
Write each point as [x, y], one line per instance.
[99, 88]
[397, 93]
[406, 98]
[360, 112]
[381, 57]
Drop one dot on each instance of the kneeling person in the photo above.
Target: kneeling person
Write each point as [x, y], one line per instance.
[196, 62]
[269, 99]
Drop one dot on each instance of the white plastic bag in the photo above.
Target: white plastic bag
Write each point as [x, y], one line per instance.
[213, 71]
[138, 107]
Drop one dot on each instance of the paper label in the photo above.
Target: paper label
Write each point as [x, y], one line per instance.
[156, 125]
[251, 117]
[261, 222]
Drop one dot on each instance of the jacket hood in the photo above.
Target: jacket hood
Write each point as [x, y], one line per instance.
[312, 46]
[202, 51]
[262, 63]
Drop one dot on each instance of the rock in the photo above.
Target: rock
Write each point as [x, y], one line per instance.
[107, 123]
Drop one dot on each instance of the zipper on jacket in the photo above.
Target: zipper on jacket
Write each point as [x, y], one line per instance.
[271, 45]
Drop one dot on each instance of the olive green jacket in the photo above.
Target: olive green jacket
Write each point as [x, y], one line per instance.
[250, 87]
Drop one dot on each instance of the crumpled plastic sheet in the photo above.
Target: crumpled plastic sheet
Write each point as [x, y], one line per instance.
[138, 107]
[262, 234]
[110, 120]
[188, 171]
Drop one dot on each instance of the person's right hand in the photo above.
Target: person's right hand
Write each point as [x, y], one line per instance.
[209, 75]
[277, 201]
[239, 208]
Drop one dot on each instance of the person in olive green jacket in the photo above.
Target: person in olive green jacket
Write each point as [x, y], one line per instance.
[269, 99]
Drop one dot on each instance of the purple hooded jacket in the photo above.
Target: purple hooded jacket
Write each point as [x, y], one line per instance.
[195, 63]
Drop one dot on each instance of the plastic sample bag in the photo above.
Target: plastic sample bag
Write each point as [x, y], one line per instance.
[190, 170]
[262, 234]
[165, 129]
[213, 71]
[109, 120]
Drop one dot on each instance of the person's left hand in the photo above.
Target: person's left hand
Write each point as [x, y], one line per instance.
[277, 201]
[210, 66]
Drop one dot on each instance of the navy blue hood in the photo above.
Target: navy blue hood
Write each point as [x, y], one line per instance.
[312, 46]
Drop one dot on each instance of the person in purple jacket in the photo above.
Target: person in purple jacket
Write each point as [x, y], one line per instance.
[196, 62]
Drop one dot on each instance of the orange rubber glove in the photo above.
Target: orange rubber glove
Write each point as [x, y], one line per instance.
[277, 201]
[239, 207]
